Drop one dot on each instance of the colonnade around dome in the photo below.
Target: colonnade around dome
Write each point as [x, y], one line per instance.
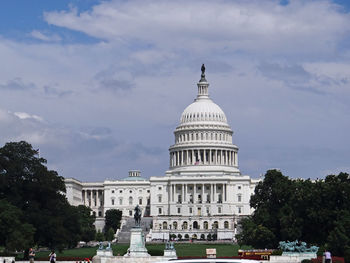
[203, 157]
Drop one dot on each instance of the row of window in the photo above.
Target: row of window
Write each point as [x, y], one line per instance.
[202, 136]
[131, 201]
[194, 225]
[199, 210]
[207, 116]
[199, 198]
[130, 191]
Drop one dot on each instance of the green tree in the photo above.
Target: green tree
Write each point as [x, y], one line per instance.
[110, 234]
[99, 236]
[338, 240]
[14, 235]
[27, 184]
[86, 223]
[112, 219]
[317, 212]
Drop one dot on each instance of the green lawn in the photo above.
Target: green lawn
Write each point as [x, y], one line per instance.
[182, 249]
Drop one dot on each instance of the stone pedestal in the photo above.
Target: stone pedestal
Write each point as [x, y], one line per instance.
[170, 253]
[291, 257]
[105, 252]
[137, 244]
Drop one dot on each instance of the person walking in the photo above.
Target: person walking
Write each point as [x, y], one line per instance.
[31, 255]
[327, 256]
[52, 256]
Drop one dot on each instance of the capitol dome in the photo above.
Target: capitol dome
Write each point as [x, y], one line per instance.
[204, 110]
[203, 139]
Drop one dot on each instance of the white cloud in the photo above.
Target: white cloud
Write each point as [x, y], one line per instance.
[45, 37]
[207, 25]
[24, 115]
[145, 70]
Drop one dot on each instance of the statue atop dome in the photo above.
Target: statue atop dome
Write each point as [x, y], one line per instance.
[203, 74]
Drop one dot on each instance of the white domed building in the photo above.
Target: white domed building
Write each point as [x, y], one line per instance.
[202, 194]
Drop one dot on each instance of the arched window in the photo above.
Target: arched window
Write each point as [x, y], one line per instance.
[195, 225]
[175, 225]
[205, 225]
[130, 200]
[184, 225]
[165, 225]
[226, 224]
[215, 225]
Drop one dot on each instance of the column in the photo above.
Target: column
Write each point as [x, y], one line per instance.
[203, 201]
[182, 157]
[93, 198]
[195, 199]
[183, 193]
[86, 198]
[199, 156]
[210, 160]
[193, 158]
[171, 192]
[214, 192]
[225, 195]
[205, 156]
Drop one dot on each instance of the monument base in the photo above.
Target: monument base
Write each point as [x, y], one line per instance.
[291, 257]
[104, 253]
[170, 253]
[137, 244]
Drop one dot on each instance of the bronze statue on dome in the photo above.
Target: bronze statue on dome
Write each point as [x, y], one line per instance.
[203, 69]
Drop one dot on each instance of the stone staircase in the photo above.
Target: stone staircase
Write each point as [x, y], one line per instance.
[124, 233]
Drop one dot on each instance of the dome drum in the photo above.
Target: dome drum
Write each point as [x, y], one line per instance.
[203, 156]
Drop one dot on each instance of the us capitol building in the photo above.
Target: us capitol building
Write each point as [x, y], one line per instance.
[202, 193]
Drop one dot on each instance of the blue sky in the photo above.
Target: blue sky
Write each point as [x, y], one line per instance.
[99, 86]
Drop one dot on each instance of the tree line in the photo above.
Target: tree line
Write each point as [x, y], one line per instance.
[317, 212]
[33, 206]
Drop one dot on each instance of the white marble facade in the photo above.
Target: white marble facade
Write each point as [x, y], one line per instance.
[202, 193]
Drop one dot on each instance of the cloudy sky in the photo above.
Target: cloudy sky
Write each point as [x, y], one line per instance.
[99, 86]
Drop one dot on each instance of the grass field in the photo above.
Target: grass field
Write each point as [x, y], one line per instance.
[182, 249]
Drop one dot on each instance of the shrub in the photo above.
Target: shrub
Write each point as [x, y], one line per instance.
[277, 252]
